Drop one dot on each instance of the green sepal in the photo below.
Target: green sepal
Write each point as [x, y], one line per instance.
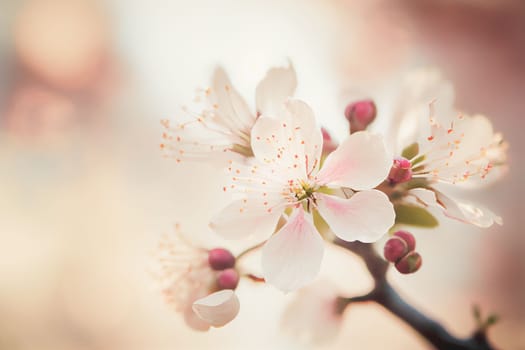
[410, 151]
[414, 216]
[321, 224]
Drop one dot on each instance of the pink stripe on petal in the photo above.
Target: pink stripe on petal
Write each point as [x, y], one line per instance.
[292, 257]
[361, 162]
[365, 217]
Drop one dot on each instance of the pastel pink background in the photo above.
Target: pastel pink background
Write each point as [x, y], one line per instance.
[85, 193]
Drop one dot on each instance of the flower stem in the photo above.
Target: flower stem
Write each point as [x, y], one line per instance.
[249, 250]
[385, 295]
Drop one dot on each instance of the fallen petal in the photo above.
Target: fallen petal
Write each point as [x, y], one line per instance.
[218, 308]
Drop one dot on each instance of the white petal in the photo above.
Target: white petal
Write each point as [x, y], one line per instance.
[293, 142]
[244, 218]
[218, 308]
[478, 134]
[424, 195]
[232, 110]
[467, 212]
[292, 257]
[310, 132]
[274, 89]
[312, 317]
[458, 210]
[365, 217]
[411, 109]
[194, 321]
[361, 162]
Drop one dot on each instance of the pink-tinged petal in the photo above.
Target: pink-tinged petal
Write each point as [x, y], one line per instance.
[274, 89]
[361, 162]
[411, 107]
[293, 142]
[232, 110]
[463, 211]
[467, 212]
[365, 217]
[218, 308]
[311, 134]
[313, 316]
[194, 321]
[424, 196]
[245, 218]
[292, 257]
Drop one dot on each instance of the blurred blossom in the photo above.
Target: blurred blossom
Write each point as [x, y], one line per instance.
[193, 285]
[62, 41]
[35, 112]
[313, 315]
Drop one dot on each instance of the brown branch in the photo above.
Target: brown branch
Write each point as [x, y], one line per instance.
[386, 296]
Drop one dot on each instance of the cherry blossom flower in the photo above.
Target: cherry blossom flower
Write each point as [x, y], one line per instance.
[189, 284]
[445, 146]
[224, 122]
[452, 147]
[314, 316]
[286, 177]
[464, 150]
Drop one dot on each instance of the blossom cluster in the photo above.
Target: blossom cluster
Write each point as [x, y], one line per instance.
[288, 181]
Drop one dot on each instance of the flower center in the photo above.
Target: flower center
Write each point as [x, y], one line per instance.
[299, 191]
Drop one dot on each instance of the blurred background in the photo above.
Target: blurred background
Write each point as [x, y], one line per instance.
[85, 192]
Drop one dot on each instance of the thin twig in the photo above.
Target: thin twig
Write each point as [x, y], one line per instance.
[385, 295]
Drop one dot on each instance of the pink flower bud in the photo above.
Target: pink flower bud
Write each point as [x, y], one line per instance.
[408, 238]
[401, 171]
[220, 259]
[360, 114]
[410, 263]
[228, 279]
[395, 249]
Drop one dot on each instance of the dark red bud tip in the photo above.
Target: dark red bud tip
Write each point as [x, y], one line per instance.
[360, 114]
[401, 171]
[220, 259]
[408, 238]
[410, 263]
[395, 249]
[228, 279]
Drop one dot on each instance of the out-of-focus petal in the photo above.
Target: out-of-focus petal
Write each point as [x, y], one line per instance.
[292, 257]
[232, 109]
[194, 321]
[274, 89]
[218, 308]
[361, 162]
[312, 317]
[365, 217]
[411, 107]
[244, 218]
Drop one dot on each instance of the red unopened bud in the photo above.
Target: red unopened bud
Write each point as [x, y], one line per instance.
[395, 249]
[401, 171]
[410, 263]
[408, 238]
[329, 145]
[220, 259]
[228, 279]
[360, 114]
